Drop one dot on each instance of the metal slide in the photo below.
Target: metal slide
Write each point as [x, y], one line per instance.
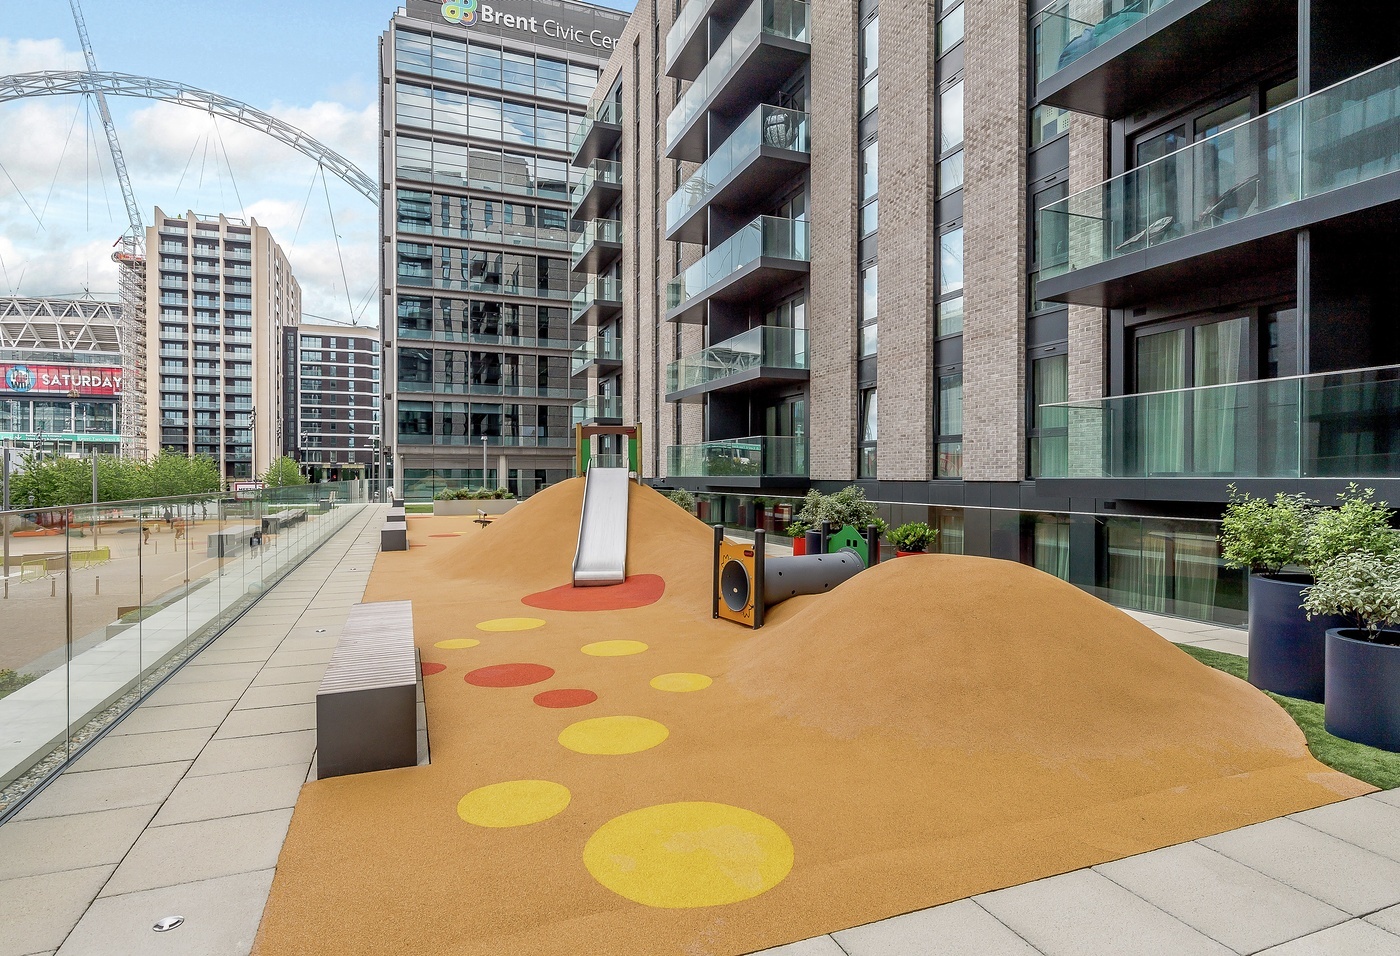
[601, 557]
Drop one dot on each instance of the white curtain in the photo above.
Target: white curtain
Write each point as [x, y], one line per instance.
[1217, 362]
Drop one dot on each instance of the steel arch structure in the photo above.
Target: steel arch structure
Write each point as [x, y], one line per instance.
[68, 82]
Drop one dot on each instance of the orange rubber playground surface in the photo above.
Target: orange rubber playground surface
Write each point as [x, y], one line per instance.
[615, 772]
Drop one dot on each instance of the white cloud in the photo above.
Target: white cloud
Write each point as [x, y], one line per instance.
[31, 56]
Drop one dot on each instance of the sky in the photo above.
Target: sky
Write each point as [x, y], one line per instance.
[311, 64]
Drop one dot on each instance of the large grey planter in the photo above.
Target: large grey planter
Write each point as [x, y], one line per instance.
[1286, 651]
[1363, 689]
[492, 506]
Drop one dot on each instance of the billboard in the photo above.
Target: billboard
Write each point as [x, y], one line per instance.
[558, 23]
[23, 378]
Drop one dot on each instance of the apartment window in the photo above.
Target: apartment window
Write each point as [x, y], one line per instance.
[948, 454]
[950, 138]
[870, 64]
[950, 28]
[869, 431]
[1049, 385]
[950, 261]
[1048, 123]
[869, 311]
[869, 188]
[950, 317]
[1049, 239]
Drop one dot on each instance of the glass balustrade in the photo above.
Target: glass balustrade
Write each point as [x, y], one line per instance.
[754, 457]
[598, 111]
[1345, 134]
[765, 126]
[597, 407]
[686, 21]
[1071, 28]
[766, 346]
[780, 18]
[597, 230]
[610, 350]
[598, 171]
[598, 289]
[765, 236]
[1332, 425]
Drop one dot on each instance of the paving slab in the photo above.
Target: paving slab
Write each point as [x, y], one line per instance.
[231, 754]
[39, 910]
[1387, 919]
[56, 844]
[268, 720]
[1365, 822]
[303, 674]
[278, 695]
[816, 946]
[221, 919]
[1353, 938]
[232, 794]
[1323, 866]
[195, 692]
[955, 929]
[133, 750]
[200, 670]
[95, 790]
[149, 720]
[1086, 914]
[202, 850]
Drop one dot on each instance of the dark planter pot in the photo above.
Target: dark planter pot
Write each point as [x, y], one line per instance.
[1363, 689]
[1287, 652]
[799, 545]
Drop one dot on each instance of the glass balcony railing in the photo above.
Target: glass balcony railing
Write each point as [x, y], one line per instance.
[1332, 425]
[591, 409]
[598, 171]
[599, 289]
[596, 230]
[779, 18]
[765, 126]
[1066, 36]
[686, 21]
[1345, 134]
[608, 351]
[599, 111]
[755, 457]
[765, 236]
[765, 346]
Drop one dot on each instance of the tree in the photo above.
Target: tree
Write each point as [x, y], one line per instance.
[283, 472]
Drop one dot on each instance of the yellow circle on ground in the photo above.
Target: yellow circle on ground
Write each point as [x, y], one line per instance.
[681, 683]
[457, 644]
[681, 855]
[510, 624]
[516, 803]
[613, 648]
[613, 735]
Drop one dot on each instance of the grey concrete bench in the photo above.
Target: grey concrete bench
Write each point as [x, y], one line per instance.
[366, 706]
[394, 535]
[227, 544]
[273, 523]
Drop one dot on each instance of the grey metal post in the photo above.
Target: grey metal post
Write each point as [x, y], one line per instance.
[5, 514]
[94, 478]
[483, 461]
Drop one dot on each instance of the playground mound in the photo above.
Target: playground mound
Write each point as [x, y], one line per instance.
[648, 780]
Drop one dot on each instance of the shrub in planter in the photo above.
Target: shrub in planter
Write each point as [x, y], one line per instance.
[797, 531]
[1363, 662]
[1360, 524]
[683, 498]
[1263, 536]
[912, 538]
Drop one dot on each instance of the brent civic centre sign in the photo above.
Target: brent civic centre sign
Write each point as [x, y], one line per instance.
[25, 379]
[565, 24]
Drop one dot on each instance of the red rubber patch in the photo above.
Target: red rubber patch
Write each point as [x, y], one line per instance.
[509, 675]
[430, 668]
[639, 590]
[570, 697]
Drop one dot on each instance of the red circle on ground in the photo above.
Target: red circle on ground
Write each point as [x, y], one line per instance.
[570, 697]
[638, 590]
[431, 668]
[444, 535]
[509, 675]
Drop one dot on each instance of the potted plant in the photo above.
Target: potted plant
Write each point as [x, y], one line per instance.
[797, 531]
[913, 537]
[1363, 662]
[683, 498]
[1286, 650]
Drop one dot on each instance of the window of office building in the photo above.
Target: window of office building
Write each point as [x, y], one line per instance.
[869, 432]
[869, 311]
[948, 453]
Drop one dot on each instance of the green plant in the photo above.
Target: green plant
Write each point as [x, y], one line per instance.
[797, 529]
[502, 494]
[446, 494]
[914, 536]
[683, 498]
[848, 506]
[1362, 585]
[283, 473]
[1361, 524]
[11, 681]
[1265, 536]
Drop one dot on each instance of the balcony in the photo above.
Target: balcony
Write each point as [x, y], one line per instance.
[1340, 425]
[1224, 205]
[739, 461]
[767, 251]
[600, 353]
[598, 132]
[599, 299]
[759, 356]
[599, 410]
[598, 191]
[769, 147]
[598, 247]
[769, 41]
[1110, 57]
[685, 41]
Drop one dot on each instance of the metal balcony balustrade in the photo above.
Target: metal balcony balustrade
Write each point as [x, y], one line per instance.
[597, 132]
[745, 358]
[755, 457]
[593, 353]
[1328, 425]
[599, 298]
[598, 245]
[598, 409]
[1346, 134]
[1071, 28]
[769, 243]
[597, 189]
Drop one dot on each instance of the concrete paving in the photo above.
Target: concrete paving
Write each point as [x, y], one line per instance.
[184, 812]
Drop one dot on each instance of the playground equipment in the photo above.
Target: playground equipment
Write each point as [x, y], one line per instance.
[601, 556]
[747, 582]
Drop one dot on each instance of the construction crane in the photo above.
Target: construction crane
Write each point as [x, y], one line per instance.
[130, 258]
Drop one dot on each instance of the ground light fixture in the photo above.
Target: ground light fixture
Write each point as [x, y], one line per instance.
[166, 924]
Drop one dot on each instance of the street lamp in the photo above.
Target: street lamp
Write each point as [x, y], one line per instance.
[483, 461]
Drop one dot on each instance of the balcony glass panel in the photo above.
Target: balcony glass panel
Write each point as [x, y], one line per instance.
[597, 230]
[611, 350]
[765, 236]
[597, 407]
[780, 18]
[1333, 138]
[598, 171]
[1333, 425]
[599, 111]
[765, 126]
[763, 347]
[1071, 28]
[691, 14]
[596, 290]
[755, 457]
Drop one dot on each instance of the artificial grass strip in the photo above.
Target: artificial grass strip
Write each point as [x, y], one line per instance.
[1380, 768]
